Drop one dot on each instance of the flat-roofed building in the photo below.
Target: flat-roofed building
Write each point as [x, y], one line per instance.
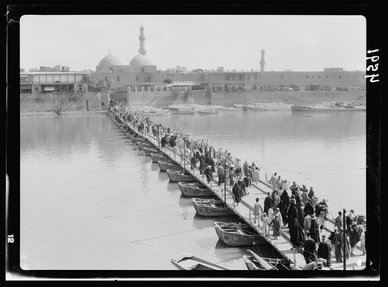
[47, 82]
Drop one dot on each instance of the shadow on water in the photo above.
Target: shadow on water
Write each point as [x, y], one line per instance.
[185, 201]
[164, 177]
[154, 166]
[173, 187]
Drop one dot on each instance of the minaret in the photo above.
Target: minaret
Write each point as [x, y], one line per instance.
[142, 50]
[262, 61]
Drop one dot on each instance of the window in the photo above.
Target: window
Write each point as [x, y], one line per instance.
[118, 79]
[240, 77]
[339, 77]
[137, 78]
[256, 77]
[254, 87]
[307, 76]
[106, 79]
[142, 70]
[319, 76]
[282, 76]
[149, 78]
[227, 77]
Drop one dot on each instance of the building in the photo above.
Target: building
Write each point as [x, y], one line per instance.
[47, 82]
[142, 75]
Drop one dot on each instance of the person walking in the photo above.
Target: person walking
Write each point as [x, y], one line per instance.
[275, 226]
[309, 251]
[257, 211]
[267, 202]
[324, 251]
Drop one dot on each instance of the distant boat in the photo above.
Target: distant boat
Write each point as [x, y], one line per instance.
[208, 112]
[194, 263]
[256, 262]
[156, 113]
[179, 177]
[181, 110]
[301, 108]
[237, 234]
[211, 207]
[164, 166]
[194, 189]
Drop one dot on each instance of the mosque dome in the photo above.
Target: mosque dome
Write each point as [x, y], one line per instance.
[139, 60]
[109, 60]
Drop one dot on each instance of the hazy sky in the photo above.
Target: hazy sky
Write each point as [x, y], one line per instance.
[300, 43]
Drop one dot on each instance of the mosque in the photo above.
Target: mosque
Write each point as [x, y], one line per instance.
[141, 75]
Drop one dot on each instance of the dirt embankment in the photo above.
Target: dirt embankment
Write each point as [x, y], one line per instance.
[164, 99]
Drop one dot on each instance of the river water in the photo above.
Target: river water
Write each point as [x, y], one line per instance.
[91, 200]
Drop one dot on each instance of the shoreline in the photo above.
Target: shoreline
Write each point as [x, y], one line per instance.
[53, 114]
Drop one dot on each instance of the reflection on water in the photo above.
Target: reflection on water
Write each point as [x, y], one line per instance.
[89, 199]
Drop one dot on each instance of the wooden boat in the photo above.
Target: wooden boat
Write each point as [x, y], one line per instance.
[148, 151]
[145, 144]
[300, 108]
[194, 263]
[237, 234]
[175, 176]
[256, 262]
[164, 166]
[156, 157]
[181, 110]
[208, 112]
[194, 190]
[211, 207]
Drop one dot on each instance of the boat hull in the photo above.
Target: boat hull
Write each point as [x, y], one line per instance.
[164, 166]
[231, 236]
[156, 157]
[178, 177]
[211, 208]
[148, 151]
[195, 263]
[191, 190]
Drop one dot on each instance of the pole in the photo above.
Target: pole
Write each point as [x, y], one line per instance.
[344, 238]
[158, 136]
[184, 156]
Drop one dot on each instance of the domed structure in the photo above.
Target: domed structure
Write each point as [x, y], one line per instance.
[139, 60]
[107, 62]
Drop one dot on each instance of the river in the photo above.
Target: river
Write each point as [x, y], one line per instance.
[91, 200]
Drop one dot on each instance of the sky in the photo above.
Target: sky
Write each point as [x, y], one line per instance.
[298, 43]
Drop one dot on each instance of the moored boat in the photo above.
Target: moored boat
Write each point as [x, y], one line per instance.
[189, 262]
[211, 207]
[165, 165]
[194, 189]
[208, 112]
[176, 176]
[145, 144]
[237, 234]
[256, 262]
[156, 157]
[148, 151]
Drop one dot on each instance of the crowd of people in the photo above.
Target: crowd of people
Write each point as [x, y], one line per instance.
[301, 212]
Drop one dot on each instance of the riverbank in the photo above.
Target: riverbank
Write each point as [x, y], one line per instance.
[53, 114]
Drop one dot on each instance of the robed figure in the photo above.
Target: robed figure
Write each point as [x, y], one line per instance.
[314, 229]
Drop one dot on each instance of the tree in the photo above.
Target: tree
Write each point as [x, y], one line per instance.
[167, 81]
